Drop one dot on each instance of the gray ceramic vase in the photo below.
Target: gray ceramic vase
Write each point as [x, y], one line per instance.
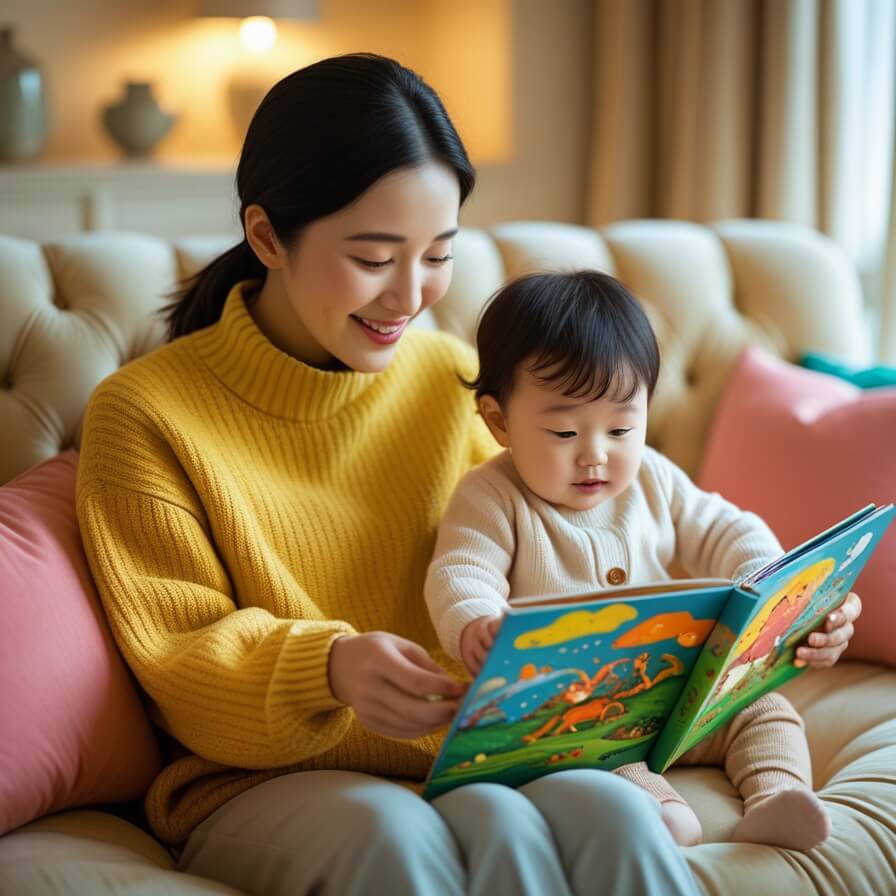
[23, 103]
[136, 122]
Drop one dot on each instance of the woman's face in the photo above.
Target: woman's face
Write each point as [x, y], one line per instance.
[348, 288]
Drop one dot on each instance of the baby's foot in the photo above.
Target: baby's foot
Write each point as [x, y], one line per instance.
[792, 819]
[682, 823]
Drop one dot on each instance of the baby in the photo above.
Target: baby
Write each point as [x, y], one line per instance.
[568, 364]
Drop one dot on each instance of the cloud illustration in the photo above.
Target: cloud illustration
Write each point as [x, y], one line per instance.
[854, 552]
[578, 624]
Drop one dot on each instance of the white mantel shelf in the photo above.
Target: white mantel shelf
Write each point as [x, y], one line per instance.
[44, 201]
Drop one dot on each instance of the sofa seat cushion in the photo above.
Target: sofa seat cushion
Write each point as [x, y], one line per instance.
[83, 851]
[848, 711]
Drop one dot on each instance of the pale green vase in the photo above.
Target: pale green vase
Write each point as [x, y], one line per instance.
[23, 103]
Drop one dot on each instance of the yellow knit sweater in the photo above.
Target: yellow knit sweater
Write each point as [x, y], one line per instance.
[240, 510]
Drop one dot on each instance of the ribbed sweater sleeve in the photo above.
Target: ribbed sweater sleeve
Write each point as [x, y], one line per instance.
[467, 577]
[714, 537]
[238, 686]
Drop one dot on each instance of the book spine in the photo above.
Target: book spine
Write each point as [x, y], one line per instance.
[699, 687]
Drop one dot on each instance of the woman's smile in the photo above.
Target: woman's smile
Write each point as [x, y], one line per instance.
[380, 331]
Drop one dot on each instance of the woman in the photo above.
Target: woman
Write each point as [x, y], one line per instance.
[259, 499]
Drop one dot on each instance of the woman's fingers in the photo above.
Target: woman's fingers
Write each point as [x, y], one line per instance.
[417, 655]
[389, 682]
[414, 672]
[410, 716]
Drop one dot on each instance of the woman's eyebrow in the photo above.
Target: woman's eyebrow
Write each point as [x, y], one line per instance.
[377, 237]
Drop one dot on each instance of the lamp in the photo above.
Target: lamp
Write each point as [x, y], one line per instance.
[258, 34]
[471, 68]
[258, 31]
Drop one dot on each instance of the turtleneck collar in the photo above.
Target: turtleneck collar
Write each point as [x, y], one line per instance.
[249, 364]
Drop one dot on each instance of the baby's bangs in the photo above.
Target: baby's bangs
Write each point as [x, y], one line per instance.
[580, 377]
[592, 368]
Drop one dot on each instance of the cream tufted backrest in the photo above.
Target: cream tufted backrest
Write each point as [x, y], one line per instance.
[73, 311]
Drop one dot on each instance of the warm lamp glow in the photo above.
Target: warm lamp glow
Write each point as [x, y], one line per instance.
[258, 33]
[470, 66]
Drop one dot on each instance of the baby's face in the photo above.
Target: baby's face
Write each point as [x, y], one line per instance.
[572, 452]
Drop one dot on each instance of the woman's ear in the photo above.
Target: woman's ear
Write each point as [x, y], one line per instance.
[494, 419]
[261, 237]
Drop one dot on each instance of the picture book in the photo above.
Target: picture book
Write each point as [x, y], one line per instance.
[643, 673]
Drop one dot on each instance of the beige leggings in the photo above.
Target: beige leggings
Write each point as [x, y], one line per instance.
[763, 749]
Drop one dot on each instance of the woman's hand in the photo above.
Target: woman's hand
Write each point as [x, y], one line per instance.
[826, 644]
[476, 641]
[393, 685]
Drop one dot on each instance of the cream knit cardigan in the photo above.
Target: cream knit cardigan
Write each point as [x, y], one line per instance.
[499, 540]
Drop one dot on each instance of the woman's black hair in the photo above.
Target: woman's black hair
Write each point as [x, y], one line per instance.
[582, 331]
[318, 140]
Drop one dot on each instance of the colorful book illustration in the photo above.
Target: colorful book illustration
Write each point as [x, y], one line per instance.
[627, 674]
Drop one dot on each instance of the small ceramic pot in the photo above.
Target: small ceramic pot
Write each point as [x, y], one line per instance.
[136, 122]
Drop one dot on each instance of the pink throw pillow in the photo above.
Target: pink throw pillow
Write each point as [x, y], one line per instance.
[803, 450]
[74, 730]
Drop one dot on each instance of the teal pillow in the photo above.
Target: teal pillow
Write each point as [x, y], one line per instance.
[869, 378]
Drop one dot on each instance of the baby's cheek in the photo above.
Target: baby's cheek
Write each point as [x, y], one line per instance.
[630, 467]
[562, 472]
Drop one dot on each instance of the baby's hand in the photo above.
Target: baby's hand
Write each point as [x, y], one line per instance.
[826, 644]
[476, 641]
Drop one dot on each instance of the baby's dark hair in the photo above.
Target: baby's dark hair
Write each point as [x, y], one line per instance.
[582, 331]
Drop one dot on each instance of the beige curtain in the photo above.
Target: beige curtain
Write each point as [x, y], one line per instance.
[707, 109]
[888, 290]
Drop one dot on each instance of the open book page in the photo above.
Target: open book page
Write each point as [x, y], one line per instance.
[684, 727]
[822, 538]
[777, 612]
[582, 685]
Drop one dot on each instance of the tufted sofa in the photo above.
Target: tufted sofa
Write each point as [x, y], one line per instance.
[73, 311]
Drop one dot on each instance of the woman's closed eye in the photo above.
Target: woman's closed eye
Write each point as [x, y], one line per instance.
[371, 263]
[377, 265]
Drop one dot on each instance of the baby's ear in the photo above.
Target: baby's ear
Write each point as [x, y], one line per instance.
[494, 419]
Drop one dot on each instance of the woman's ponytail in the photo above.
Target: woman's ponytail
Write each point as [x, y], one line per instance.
[199, 300]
